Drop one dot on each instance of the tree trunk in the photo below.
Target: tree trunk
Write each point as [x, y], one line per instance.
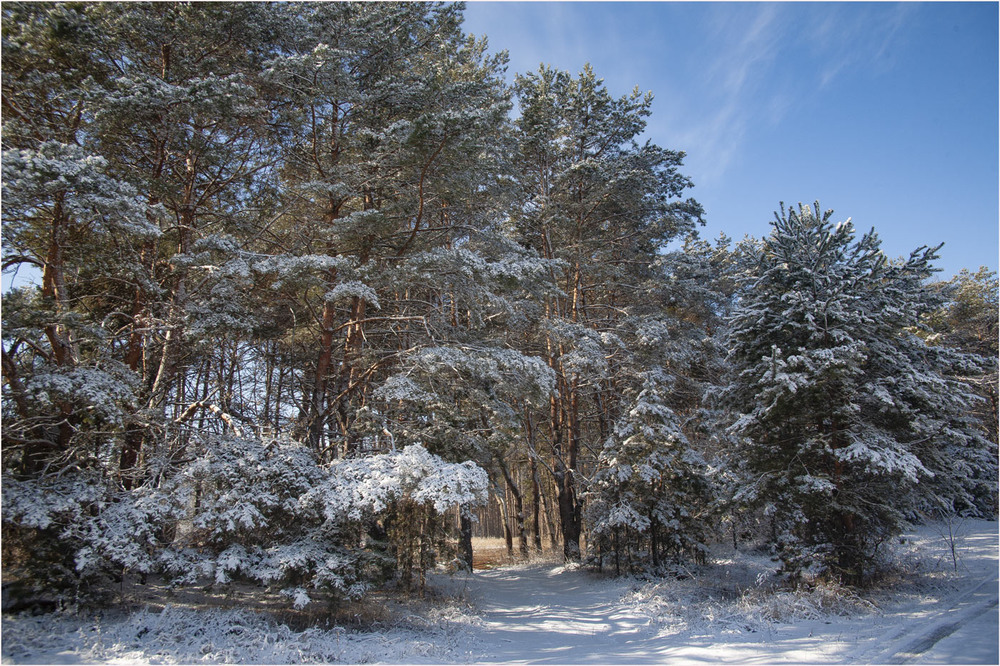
[654, 541]
[569, 522]
[569, 504]
[317, 401]
[465, 537]
[617, 546]
[54, 286]
[508, 534]
[536, 482]
[518, 510]
[175, 334]
[570, 518]
[536, 506]
[172, 341]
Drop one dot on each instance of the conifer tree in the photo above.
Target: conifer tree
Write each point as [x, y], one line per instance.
[848, 422]
[601, 204]
[967, 322]
[69, 214]
[651, 489]
[142, 165]
[394, 119]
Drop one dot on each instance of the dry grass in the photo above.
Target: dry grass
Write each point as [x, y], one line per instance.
[326, 611]
[489, 553]
[377, 607]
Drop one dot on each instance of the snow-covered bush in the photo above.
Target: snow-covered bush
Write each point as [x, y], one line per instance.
[268, 512]
[259, 511]
[42, 520]
[403, 496]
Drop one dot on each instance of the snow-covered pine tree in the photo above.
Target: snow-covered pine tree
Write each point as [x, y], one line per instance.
[694, 294]
[652, 463]
[594, 199]
[848, 423]
[183, 118]
[394, 115]
[697, 293]
[68, 214]
[147, 147]
[650, 492]
[967, 322]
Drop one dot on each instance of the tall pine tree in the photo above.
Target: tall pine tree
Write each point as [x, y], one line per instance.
[848, 422]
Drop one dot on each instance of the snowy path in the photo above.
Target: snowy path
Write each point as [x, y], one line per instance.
[960, 628]
[549, 614]
[544, 614]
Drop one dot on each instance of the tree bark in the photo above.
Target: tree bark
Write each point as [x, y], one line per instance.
[522, 534]
[465, 537]
[54, 286]
[536, 502]
[508, 534]
[317, 401]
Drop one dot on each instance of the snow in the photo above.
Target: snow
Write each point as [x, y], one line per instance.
[547, 613]
[353, 288]
[540, 614]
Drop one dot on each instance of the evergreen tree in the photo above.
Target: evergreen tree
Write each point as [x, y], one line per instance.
[602, 205]
[67, 214]
[395, 117]
[967, 322]
[848, 422]
[142, 164]
[650, 486]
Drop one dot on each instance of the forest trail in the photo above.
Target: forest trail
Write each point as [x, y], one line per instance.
[542, 613]
[961, 627]
[550, 614]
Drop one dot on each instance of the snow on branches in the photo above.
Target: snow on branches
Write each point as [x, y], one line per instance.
[843, 414]
[260, 511]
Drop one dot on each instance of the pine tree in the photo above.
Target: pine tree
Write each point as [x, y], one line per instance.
[158, 168]
[593, 199]
[394, 117]
[967, 323]
[846, 417]
[650, 490]
[68, 213]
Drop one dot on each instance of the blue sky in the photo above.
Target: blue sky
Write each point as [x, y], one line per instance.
[885, 112]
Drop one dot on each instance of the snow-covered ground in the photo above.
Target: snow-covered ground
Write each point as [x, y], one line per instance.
[547, 613]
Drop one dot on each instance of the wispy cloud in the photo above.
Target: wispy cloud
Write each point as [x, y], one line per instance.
[863, 37]
[735, 61]
[762, 61]
[719, 71]
[742, 40]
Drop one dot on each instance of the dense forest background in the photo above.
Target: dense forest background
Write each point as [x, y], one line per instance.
[316, 284]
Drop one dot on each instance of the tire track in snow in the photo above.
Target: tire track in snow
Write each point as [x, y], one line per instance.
[916, 649]
[916, 639]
